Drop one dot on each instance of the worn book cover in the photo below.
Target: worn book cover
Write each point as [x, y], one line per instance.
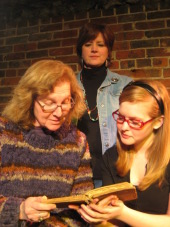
[125, 191]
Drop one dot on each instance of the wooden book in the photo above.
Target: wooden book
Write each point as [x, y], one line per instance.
[124, 191]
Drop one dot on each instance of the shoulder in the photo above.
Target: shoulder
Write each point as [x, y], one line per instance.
[117, 82]
[79, 81]
[111, 154]
[78, 135]
[118, 78]
[83, 145]
[9, 132]
[109, 171]
[3, 121]
[168, 172]
[81, 135]
[78, 75]
[9, 126]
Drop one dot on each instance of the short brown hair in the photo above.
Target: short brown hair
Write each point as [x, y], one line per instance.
[90, 31]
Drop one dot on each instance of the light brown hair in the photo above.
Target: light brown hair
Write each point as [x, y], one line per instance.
[158, 155]
[39, 79]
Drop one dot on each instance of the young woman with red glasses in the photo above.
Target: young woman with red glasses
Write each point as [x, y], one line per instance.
[141, 156]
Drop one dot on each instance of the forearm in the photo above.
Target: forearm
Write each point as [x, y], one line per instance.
[10, 211]
[139, 219]
[83, 179]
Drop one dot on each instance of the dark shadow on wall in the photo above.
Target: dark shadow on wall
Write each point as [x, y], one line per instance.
[42, 8]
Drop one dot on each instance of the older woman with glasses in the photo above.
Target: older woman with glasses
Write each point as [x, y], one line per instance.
[39, 146]
[141, 156]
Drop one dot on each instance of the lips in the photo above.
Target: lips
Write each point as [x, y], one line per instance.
[56, 122]
[125, 136]
[94, 56]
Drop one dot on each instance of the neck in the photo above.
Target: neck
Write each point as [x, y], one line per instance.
[93, 66]
[96, 72]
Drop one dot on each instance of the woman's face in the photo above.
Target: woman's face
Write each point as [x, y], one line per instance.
[95, 52]
[54, 119]
[137, 111]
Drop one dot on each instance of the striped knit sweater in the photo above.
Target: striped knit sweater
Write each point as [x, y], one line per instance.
[37, 163]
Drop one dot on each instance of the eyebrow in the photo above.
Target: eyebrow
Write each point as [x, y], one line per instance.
[98, 41]
[136, 118]
[52, 99]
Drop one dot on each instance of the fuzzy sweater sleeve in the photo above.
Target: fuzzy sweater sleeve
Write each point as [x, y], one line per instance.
[9, 211]
[31, 163]
[83, 179]
[9, 206]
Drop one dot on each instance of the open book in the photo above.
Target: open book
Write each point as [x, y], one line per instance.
[125, 191]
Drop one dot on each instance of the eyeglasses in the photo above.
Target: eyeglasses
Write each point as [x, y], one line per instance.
[67, 104]
[133, 123]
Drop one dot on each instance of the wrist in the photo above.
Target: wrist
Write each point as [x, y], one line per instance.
[120, 210]
[122, 213]
[22, 215]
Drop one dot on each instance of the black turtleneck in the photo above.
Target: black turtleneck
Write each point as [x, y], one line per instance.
[92, 79]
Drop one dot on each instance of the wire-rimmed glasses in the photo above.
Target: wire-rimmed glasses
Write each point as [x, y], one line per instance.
[66, 105]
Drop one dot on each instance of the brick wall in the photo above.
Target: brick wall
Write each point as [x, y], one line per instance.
[141, 50]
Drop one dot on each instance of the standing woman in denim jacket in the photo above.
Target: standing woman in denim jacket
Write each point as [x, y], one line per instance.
[101, 91]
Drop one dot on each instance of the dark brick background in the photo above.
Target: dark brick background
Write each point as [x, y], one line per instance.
[34, 30]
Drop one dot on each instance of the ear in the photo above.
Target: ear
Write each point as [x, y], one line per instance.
[159, 122]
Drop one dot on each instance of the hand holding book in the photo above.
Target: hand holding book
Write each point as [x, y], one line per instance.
[124, 191]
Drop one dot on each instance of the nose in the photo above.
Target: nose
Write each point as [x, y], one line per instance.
[125, 125]
[58, 111]
[94, 47]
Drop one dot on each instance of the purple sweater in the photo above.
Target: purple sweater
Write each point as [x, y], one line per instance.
[37, 163]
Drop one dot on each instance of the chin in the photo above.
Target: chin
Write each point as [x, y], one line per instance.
[127, 141]
[54, 127]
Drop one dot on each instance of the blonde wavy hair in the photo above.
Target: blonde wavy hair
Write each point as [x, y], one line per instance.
[39, 79]
[158, 155]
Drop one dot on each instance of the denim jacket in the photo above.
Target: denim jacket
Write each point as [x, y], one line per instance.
[107, 102]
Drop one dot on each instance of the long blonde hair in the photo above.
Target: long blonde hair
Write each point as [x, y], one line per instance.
[159, 154]
[39, 79]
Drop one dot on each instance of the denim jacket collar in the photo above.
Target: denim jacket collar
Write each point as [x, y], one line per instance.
[110, 79]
